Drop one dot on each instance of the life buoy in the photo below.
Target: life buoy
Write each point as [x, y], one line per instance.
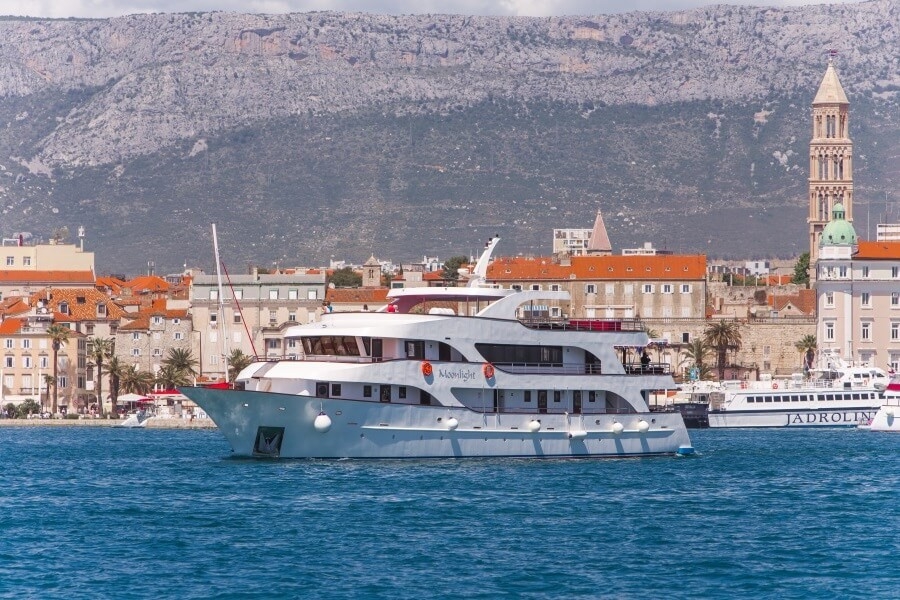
[488, 369]
[775, 386]
[426, 368]
[743, 385]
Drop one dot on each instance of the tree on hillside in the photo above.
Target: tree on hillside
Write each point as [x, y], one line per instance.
[345, 278]
[451, 267]
[723, 336]
[801, 270]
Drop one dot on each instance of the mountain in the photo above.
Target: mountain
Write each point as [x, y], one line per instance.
[305, 136]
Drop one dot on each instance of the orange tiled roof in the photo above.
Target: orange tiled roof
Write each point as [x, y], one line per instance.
[11, 326]
[357, 295]
[82, 304]
[878, 250]
[14, 305]
[47, 277]
[658, 267]
[146, 284]
[113, 284]
[433, 276]
[804, 301]
[141, 320]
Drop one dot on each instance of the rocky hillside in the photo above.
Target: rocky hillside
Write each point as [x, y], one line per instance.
[317, 134]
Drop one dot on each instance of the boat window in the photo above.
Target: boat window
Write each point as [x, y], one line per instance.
[401, 392]
[424, 398]
[856, 396]
[751, 399]
[327, 345]
[768, 398]
[528, 396]
[592, 396]
[517, 353]
[367, 391]
[335, 390]
[829, 396]
[367, 344]
[385, 393]
[415, 349]
[556, 396]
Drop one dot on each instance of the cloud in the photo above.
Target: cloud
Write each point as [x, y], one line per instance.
[534, 8]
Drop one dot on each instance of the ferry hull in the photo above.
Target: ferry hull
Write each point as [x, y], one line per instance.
[833, 417]
[269, 424]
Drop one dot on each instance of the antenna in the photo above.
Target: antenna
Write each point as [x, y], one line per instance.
[221, 318]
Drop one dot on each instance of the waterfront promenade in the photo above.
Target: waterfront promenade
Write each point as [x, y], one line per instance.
[154, 423]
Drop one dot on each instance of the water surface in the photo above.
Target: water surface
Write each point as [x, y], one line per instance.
[111, 513]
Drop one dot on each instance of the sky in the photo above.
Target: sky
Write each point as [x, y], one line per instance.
[529, 8]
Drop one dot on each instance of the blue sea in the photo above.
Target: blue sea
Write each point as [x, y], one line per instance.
[112, 513]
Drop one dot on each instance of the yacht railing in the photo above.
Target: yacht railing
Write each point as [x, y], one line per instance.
[584, 324]
[548, 368]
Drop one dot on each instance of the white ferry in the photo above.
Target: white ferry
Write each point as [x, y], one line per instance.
[887, 418]
[839, 396]
[451, 372]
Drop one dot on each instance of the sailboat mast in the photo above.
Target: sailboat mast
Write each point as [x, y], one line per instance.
[222, 320]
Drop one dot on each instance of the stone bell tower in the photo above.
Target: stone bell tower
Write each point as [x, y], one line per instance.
[830, 159]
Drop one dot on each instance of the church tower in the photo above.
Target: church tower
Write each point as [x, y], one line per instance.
[830, 159]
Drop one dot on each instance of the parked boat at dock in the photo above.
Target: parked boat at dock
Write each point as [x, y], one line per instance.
[838, 395]
[450, 372]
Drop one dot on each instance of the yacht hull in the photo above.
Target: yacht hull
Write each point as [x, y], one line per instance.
[268, 424]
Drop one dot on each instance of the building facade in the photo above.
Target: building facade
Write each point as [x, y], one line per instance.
[251, 315]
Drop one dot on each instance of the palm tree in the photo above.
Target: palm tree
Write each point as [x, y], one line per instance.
[237, 362]
[136, 382]
[168, 377]
[48, 381]
[101, 350]
[695, 355]
[58, 335]
[723, 336]
[115, 369]
[807, 346]
[182, 360]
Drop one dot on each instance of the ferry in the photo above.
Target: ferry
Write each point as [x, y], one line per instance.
[840, 395]
[469, 371]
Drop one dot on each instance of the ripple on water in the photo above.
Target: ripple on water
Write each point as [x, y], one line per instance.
[133, 514]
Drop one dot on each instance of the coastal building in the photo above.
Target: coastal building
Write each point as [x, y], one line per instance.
[611, 287]
[583, 242]
[858, 296]
[830, 159]
[251, 315]
[28, 362]
[145, 340]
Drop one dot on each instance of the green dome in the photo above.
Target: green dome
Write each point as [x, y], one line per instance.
[838, 232]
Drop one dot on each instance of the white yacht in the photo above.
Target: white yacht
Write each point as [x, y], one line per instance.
[839, 395]
[451, 372]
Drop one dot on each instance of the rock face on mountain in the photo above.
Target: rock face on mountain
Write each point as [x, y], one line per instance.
[317, 134]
